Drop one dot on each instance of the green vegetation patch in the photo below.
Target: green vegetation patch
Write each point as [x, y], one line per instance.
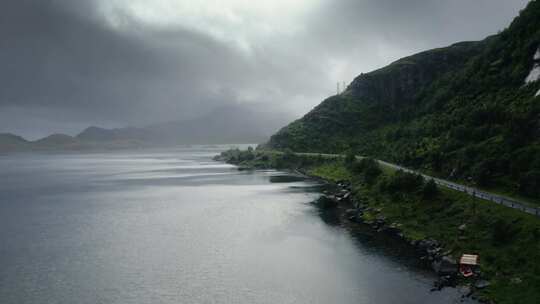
[462, 112]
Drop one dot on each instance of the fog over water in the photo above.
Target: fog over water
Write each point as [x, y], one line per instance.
[174, 226]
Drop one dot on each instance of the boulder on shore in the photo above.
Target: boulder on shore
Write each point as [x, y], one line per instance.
[326, 201]
[351, 212]
[446, 265]
[481, 284]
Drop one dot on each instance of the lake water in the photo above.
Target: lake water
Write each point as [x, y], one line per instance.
[176, 227]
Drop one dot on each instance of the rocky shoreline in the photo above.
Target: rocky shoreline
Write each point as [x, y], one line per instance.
[353, 210]
[435, 227]
[431, 252]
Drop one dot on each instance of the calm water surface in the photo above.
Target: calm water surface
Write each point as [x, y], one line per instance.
[175, 227]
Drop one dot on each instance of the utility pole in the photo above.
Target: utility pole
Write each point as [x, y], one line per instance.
[338, 88]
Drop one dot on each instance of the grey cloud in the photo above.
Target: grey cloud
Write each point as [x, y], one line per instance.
[370, 27]
[63, 66]
[55, 58]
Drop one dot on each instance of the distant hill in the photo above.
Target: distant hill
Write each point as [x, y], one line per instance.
[232, 124]
[223, 125]
[97, 134]
[56, 139]
[10, 142]
[469, 111]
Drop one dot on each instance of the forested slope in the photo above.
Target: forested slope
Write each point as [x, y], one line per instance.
[469, 111]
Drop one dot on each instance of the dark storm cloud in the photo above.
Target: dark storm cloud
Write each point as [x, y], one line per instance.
[65, 66]
[56, 57]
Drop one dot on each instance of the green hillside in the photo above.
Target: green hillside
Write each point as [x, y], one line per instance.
[463, 112]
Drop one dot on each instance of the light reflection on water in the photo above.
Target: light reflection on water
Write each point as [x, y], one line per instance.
[175, 227]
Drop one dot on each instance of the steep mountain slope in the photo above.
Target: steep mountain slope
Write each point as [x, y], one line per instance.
[467, 111]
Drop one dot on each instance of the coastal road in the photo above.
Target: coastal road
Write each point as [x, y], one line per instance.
[495, 198]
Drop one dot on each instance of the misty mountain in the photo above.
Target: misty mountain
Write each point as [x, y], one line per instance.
[10, 142]
[56, 140]
[223, 125]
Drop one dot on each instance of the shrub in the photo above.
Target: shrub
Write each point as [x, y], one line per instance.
[529, 183]
[288, 154]
[483, 172]
[503, 232]
[350, 158]
[368, 169]
[405, 181]
[430, 189]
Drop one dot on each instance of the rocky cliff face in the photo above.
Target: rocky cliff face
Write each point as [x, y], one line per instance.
[404, 80]
[373, 99]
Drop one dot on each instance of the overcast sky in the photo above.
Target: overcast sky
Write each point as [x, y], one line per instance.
[67, 64]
